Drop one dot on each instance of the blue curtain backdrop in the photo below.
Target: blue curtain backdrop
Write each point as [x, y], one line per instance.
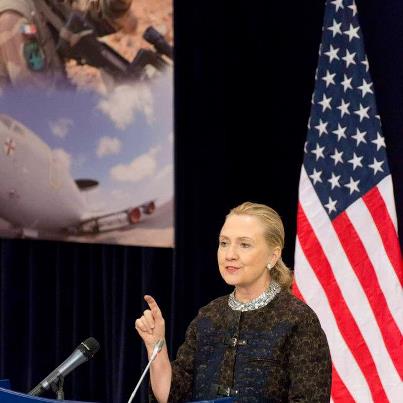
[244, 75]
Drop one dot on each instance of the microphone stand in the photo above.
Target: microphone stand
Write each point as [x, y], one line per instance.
[57, 387]
[157, 348]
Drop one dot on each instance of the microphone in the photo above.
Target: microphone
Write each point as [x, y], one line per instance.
[81, 354]
[157, 348]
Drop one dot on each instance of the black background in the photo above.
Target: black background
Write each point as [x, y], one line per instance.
[244, 75]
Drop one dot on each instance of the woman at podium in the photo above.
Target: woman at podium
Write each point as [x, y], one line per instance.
[258, 344]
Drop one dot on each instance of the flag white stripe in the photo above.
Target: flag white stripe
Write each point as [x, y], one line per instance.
[342, 359]
[347, 280]
[385, 187]
[363, 223]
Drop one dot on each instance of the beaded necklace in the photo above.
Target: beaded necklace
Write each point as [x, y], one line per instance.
[259, 302]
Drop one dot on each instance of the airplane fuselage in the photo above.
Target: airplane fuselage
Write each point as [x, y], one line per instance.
[37, 190]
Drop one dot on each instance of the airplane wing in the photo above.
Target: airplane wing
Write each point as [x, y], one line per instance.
[112, 221]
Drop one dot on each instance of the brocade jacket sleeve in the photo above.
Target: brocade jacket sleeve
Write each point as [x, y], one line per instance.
[309, 363]
[182, 369]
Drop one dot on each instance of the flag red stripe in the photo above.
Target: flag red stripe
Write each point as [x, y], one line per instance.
[379, 212]
[339, 391]
[345, 321]
[365, 272]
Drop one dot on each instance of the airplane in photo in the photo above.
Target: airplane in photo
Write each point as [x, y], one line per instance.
[37, 192]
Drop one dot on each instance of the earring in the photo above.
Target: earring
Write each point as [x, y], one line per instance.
[269, 266]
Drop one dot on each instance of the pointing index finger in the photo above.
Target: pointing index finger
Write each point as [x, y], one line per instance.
[152, 304]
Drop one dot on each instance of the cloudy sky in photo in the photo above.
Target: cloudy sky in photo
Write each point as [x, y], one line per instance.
[123, 139]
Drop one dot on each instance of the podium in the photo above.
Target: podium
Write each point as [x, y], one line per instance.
[218, 400]
[8, 396]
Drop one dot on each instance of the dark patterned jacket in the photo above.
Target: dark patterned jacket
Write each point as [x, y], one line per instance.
[274, 354]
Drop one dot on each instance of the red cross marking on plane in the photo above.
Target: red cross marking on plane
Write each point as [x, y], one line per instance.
[9, 146]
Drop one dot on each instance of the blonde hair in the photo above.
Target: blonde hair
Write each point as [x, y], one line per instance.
[274, 235]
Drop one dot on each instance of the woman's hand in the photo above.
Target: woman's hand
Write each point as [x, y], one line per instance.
[151, 326]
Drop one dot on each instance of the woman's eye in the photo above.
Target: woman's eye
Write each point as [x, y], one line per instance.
[245, 245]
[223, 244]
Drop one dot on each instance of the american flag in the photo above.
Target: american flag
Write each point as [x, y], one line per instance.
[348, 265]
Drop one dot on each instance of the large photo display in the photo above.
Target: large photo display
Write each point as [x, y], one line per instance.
[86, 121]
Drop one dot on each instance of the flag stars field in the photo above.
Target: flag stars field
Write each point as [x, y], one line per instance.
[318, 151]
[379, 141]
[316, 176]
[337, 156]
[366, 64]
[334, 181]
[359, 137]
[346, 83]
[340, 132]
[331, 205]
[353, 7]
[352, 33]
[353, 185]
[365, 88]
[362, 112]
[329, 78]
[338, 4]
[349, 58]
[325, 103]
[356, 161]
[376, 166]
[321, 127]
[343, 108]
[332, 54]
[335, 28]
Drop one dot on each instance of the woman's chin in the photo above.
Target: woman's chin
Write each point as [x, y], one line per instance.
[230, 280]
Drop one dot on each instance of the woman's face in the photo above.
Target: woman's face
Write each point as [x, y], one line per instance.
[243, 253]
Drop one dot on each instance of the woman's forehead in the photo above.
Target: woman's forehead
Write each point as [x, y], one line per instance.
[239, 226]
